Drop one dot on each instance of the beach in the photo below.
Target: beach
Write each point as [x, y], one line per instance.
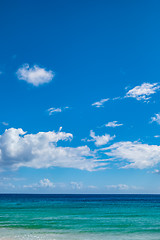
[78, 217]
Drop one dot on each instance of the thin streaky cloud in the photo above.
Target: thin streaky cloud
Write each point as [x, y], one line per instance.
[53, 110]
[113, 124]
[134, 154]
[122, 187]
[100, 103]
[118, 186]
[5, 123]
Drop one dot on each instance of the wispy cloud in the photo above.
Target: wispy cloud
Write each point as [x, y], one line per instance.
[118, 186]
[76, 185]
[100, 103]
[156, 171]
[92, 187]
[100, 140]
[44, 183]
[113, 124]
[52, 110]
[5, 123]
[134, 154]
[6, 185]
[122, 187]
[143, 92]
[156, 118]
[157, 136]
[34, 75]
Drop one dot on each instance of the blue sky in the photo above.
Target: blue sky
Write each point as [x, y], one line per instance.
[80, 96]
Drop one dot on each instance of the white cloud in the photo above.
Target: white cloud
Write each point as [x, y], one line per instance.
[156, 118]
[76, 185]
[134, 154]
[117, 98]
[100, 103]
[100, 140]
[19, 149]
[157, 171]
[6, 185]
[123, 187]
[5, 123]
[143, 91]
[34, 75]
[55, 110]
[118, 187]
[113, 124]
[92, 187]
[44, 183]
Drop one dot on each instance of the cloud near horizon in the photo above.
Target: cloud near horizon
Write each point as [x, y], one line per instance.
[42, 150]
[19, 149]
[122, 187]
[113, 124]
[134, 154]
[34, 75]
[44, 183]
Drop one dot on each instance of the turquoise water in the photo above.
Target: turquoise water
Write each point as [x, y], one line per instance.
[80, 217]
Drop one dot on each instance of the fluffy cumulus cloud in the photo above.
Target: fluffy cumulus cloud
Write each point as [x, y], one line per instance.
[113, 124]
[100, 103]
[42, 150]
[143, 92]
[34, 75]
[100, 140]
[156, 118]
[44, 183]
[134, 154]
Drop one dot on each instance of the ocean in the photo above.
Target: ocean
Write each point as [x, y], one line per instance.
[77, 217]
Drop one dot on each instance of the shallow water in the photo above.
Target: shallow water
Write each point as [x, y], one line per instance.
[77, 217]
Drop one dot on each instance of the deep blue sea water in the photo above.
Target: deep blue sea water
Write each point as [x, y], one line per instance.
[119, 217]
